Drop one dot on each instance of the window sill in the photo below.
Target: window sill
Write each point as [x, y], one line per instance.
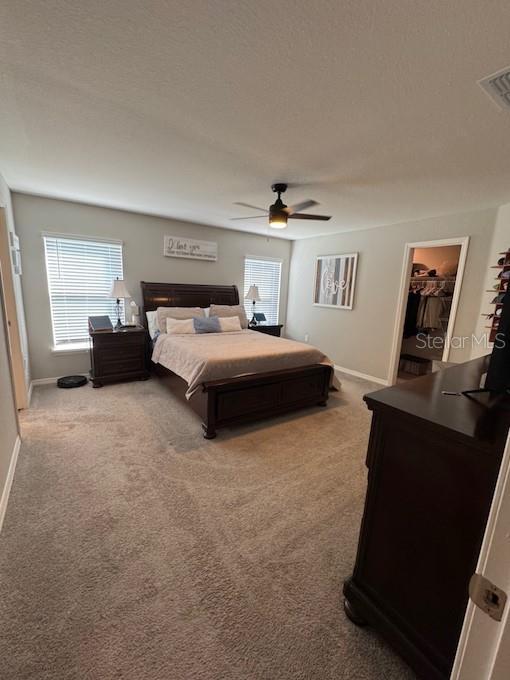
[72, 348]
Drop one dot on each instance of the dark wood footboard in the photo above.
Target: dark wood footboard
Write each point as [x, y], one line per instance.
[253, 397]
[233, 401]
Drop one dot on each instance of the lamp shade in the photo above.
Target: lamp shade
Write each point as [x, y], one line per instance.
[252, 294]
[119, 290]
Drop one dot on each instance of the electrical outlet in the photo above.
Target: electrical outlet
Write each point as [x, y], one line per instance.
[307, 337]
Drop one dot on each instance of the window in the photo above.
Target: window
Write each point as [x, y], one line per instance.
[80, 276]
[266, 275]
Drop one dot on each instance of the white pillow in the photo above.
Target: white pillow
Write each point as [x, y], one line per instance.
[152, 323]
[163, 313]
[230, 310]
[229, 324]
[179, 326]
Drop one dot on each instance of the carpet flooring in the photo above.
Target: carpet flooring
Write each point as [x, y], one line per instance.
[134, 549]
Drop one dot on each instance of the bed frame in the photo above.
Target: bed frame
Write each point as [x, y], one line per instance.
[231, 401]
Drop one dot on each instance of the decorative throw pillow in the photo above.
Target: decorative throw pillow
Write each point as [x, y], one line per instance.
[179, 326]
[230, 310]
[229, 324]
[164, 313]
[207, 325]
[152, 324]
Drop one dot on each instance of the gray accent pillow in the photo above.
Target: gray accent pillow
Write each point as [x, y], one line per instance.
[164, 313]
[206, 324]
[230, 310]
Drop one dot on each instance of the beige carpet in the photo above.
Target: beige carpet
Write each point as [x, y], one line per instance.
[134, 549]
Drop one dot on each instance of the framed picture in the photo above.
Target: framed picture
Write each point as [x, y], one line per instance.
[335, 278]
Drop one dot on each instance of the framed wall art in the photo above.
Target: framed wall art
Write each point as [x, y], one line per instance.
[335, 278]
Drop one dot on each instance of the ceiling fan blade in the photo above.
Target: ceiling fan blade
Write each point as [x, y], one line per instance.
[250, 217]
[299, 206]
[305, 216]
[247, 205]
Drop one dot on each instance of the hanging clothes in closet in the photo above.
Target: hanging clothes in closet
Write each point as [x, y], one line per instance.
[428, 304]
[411, 320]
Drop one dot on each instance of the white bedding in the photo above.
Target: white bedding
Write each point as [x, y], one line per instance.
[205, 357]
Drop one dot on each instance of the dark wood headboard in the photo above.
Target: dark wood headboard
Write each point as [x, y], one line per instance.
[185, 295]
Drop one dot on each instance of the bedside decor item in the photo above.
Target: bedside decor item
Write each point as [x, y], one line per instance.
[119, 291]
[335, 278]
[100, 323]
[135, 313]
[253, 294]
[190, 248]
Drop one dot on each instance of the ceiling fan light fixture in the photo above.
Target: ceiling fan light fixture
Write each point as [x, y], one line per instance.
[277, 215]
[278, 222]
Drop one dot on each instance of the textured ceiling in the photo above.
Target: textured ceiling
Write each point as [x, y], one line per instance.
[181, 108]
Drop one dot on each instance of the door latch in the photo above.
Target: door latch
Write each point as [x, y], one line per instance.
[487, 596]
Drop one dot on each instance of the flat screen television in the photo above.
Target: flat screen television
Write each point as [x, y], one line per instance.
[497, 380]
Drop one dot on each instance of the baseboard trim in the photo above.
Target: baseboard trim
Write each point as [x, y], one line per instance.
[8, 482]
[363, 376]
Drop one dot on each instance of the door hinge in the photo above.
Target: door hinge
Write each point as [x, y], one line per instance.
[487, 596]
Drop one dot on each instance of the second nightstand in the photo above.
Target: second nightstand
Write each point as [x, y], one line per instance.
[269, 329]
[118, 355]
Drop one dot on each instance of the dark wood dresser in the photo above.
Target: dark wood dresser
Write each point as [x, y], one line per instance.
[433, 462]
[118, 355]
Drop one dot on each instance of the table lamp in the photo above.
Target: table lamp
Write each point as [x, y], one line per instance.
[119, 291]
[253, 294]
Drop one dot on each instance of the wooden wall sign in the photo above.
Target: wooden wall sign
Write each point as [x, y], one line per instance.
[190, 248]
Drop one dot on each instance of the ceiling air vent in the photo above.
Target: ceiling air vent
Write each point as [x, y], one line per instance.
[497, 86]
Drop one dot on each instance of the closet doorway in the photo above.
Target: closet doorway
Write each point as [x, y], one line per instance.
[428, 302]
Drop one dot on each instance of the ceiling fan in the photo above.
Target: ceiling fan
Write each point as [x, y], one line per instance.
[279, 213]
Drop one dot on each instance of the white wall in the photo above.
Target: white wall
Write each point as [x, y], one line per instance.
[500, 243]
[360, 340]
[143, 261]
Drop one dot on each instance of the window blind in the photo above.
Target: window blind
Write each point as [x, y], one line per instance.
[266, 275]
[80, 276]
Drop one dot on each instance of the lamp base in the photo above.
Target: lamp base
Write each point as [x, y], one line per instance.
[118, 325]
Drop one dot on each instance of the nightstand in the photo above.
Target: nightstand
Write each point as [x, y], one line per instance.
[118, 355]
[268, 329]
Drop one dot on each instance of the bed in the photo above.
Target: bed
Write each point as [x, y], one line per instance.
[251, 394]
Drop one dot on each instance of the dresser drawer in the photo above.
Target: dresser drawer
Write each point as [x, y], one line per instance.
[118, 366]
[117, 340]
[113, 354]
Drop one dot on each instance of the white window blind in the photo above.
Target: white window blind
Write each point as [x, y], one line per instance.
[266, 275]
[80, 276]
